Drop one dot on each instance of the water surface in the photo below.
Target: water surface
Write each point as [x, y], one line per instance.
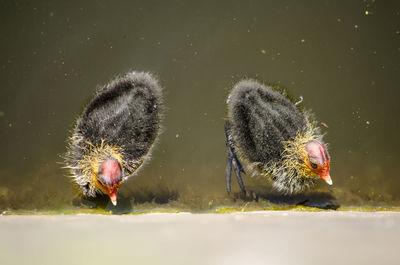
[343, 57]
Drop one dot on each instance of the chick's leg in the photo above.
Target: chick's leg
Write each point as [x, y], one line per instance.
[232, 160]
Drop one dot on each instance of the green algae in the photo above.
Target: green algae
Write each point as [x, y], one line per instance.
[370, 209]
[298, 208]
[211, 203]
[216, 210]
[302, 208]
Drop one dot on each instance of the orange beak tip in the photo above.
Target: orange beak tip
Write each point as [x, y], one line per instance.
[327, 179]
[329, 182]
[113, 198]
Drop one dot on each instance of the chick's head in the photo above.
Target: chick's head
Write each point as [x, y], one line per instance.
[317, 161]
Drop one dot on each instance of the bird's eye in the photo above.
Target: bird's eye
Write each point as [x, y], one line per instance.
[313, 165]
[100, 182]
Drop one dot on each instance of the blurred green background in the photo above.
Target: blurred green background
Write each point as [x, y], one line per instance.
[343, 57]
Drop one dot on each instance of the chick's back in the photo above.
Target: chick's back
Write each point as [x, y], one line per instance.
[124, 114]
[260, 119]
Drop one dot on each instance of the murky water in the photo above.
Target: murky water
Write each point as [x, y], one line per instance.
[342, 57]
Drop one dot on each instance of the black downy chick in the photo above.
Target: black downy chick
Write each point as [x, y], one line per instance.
[114, 135]
[275, 137]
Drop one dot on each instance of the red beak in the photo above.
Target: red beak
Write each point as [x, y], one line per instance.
[327, 179]
[112, 193]
[113, 198]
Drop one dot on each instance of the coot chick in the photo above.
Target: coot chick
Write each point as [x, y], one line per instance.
[276, 138]
[114, 135]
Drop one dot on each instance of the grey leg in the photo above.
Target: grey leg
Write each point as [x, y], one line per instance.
[232, 160]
